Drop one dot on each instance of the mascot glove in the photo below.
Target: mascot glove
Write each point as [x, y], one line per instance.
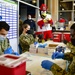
[57, 55]
[46, 64]
[8, 50]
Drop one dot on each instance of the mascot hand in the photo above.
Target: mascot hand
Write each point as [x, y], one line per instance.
[46, 64]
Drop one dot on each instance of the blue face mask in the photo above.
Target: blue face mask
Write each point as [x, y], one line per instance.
[2, 38]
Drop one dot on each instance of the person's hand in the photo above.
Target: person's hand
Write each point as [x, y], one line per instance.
[8, 50]
[42, 45]
[46, 64]
[15, 53]
[34, 32]
[57, 55]
[60, 49]
[60, 55]
[54, 54]
[65, 41]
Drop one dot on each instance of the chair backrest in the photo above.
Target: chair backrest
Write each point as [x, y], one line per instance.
[20, 48]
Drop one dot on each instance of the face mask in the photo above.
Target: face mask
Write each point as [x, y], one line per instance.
[2, 38]
[29, 32]
[29, 18]
[73, 41]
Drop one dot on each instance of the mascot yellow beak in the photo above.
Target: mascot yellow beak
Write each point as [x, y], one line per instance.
[43, 15]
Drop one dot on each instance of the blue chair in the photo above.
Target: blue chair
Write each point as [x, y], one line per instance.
[20, 48]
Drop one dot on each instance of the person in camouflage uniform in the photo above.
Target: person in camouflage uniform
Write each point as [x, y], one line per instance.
[4, 42]
[26, 39]
[20, 25]
[70, 56]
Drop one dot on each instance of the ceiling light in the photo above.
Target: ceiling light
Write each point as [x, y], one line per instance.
[33, 1]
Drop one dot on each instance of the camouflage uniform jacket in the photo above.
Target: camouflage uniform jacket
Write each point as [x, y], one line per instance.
[20, 26]
[25, 41]
[70, 56]
[4, 45]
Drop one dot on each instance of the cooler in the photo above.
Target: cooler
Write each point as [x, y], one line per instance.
[66, 36]
[12, 65]
[57, 37]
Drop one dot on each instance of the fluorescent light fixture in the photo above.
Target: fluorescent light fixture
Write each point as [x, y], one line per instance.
[33, 1]
[73, 4]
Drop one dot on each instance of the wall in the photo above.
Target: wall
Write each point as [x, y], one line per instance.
[23, 11]
[8, 11]
[13, 43]
[54, 10]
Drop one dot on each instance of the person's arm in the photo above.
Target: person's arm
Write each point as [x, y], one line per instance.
[31, 38]
[40, 23]
[54, 68]
[4, 45]
[67, 56]
[24, 40]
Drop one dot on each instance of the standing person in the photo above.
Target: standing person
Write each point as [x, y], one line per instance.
[70, 56]
[26, 39]
[44, 23]
[20, 25]
[32, 24]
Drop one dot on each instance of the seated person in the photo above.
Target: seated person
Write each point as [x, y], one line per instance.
[69, 56]
[26, 39]
[5, 47]
[4, 42]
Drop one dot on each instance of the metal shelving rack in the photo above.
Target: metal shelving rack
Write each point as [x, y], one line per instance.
[66, 9]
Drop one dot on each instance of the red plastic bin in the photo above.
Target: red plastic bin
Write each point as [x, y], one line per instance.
[66, 36]
[12, 65]
[57, 37]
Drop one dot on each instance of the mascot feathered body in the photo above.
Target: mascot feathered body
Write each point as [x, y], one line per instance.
[44, 23]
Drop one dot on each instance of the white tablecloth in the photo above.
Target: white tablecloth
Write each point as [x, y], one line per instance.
[34, 63]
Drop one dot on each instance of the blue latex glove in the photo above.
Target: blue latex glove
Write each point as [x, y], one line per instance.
[60, 49]
[42, 45]
[57, 55]
[15, 53]
[54, 55]
[46, 64]
[8, 50]
[35, 43]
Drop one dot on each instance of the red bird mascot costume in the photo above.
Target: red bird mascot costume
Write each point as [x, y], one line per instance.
[44, 23]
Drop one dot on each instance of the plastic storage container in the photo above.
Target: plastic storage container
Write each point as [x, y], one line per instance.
[66, 36]
[12, 65]
[57, 37]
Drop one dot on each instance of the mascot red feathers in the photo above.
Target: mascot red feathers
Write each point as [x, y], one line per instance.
[44, 23]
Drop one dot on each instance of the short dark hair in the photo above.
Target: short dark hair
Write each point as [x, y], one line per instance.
[4, 25]
[73, 26]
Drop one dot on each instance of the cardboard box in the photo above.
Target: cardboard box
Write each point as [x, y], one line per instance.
[33, 50]
[43, 50]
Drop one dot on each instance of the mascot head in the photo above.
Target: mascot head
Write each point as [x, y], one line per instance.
[43, 9]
